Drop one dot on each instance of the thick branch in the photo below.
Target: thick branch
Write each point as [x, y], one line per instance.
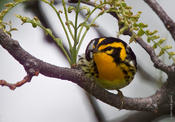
[31, 63]
[168, 22]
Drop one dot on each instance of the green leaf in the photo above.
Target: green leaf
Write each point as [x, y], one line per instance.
[135, 25]
[154, 46]
[162, 40]
[154, 32]
[128, 7]
[171, 53]
[162, 51]
[123, 4]
[142, 25]
[71, 8]
[13, 29]
[135, 28]
[167, 47]
[148, 39]
[8, 33]
[154, 37]
[149, 33]
[141, 32]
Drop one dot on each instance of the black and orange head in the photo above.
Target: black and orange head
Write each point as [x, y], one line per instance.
[115, 47]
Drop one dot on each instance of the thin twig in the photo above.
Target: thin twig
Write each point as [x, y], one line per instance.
[35, 7]
[13, 86]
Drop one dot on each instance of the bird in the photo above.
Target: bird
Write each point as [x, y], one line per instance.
[110, 62]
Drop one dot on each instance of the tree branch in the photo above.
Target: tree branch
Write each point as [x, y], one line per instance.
[32, 64]
[168, 22]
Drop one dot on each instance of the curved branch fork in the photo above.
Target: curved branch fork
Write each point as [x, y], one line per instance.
[33, 66]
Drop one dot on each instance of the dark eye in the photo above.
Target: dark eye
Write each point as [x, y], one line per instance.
[107, 49]
[89, 50]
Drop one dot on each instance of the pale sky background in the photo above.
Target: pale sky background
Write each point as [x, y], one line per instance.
[47, 99]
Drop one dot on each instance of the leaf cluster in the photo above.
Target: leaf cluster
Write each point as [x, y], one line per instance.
[76, 31]
[129, 21]
[158, 43]
[5, 25]
[73, 29]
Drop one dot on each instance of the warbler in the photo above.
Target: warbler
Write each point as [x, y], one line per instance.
[110, 62]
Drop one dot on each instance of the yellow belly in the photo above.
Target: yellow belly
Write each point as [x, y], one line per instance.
[110, 74]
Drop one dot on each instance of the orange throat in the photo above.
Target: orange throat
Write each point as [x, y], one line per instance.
[107, 68]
